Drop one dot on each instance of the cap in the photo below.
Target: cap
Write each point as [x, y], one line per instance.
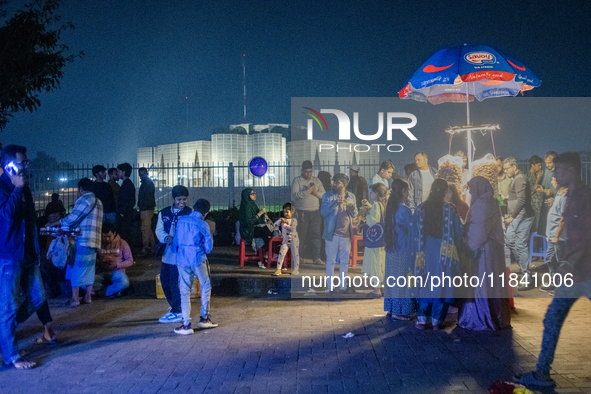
[354, 167]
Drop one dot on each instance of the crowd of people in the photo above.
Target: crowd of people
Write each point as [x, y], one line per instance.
[427, 227]
[94, 245]
[418, 225]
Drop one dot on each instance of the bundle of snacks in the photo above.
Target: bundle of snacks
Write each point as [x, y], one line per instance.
[487, 168]
[450, 169]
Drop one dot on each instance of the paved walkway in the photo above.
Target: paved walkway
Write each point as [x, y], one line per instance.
[277, 345]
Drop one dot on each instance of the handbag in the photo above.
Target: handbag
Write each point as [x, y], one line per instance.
[373, 237]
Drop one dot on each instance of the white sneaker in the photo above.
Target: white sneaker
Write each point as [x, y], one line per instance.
[184, 330]
[206, 323]
[171, 317]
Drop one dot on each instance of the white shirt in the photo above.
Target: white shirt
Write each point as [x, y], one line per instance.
[427, 182]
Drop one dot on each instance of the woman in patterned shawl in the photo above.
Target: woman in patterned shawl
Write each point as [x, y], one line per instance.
[437, 236]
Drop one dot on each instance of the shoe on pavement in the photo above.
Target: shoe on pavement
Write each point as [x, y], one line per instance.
[295, 272]
[206, 323]
[319, 262]
[184, 330]
[534, 379]
[548, 289]
[171, 317]
[277, 273]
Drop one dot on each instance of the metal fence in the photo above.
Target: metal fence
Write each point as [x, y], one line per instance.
[220, 184]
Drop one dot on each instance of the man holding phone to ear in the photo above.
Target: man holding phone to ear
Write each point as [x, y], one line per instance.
[19, 257]
[306, 195]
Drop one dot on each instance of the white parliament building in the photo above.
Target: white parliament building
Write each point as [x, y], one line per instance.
[225, 157]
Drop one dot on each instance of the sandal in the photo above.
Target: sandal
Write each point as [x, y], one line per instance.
[20, 363]
[530, 379]
[44, 341]
[71, 304]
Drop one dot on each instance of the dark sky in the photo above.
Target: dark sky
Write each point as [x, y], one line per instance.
[143, 57]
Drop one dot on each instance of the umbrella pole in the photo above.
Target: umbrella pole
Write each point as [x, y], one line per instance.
[469, 133]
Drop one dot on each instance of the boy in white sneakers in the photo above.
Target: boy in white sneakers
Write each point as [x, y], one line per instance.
[288, 225]
[192, 243]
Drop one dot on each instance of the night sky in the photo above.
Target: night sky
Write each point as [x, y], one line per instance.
[143, 58]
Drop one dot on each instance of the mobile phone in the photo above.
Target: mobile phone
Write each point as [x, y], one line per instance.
[311, 184]
[12, 169]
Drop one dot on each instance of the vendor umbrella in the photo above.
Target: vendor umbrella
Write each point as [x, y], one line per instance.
[460, 74]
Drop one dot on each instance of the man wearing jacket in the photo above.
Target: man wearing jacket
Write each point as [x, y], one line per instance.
[520, 220]
[19, 255]
[125, 203]
[146, 203]
[420, 181]
[339, 208]
[111, 260]
[193, 242]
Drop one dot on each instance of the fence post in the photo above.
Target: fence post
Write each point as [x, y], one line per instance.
[231, 185]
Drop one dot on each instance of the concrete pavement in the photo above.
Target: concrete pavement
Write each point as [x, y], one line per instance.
[277, 345]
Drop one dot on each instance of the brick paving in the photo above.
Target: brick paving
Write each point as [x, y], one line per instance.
[277, 345]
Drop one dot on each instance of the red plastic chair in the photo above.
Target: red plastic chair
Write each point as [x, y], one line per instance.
[258, 256]
[274, 246]
[356, 244]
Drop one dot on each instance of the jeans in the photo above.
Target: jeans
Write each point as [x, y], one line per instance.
[186, 275]
[564, 298]
[555, 255]
[169, 278]
[118, 282]
[16, 277]
[337, 250]
[516, 239]
[309, 223]
[147, 234]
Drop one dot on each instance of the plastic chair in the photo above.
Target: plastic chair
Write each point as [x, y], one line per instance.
[258, 256]
[274, 246]
[356, 245]
[533, 253]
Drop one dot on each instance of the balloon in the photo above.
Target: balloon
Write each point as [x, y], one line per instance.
[258, 166]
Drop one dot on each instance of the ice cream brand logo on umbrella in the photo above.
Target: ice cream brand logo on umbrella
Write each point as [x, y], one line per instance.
[480, 58]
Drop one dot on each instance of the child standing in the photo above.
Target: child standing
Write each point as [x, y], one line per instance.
[193, 242]
[288, 225]
[374, 259]
[165, 231]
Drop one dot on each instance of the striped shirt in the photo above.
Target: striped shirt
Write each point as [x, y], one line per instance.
[89, 217]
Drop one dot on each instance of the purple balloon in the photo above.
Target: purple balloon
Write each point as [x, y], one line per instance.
[258, 166]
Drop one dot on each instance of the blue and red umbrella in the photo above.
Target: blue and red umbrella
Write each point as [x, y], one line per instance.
[460, 74]
[466, 72]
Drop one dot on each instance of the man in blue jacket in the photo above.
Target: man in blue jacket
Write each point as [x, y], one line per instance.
[192, 243]
[339, 208]
[19, 254]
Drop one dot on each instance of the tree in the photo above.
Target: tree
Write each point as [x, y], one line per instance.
[32, 57]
